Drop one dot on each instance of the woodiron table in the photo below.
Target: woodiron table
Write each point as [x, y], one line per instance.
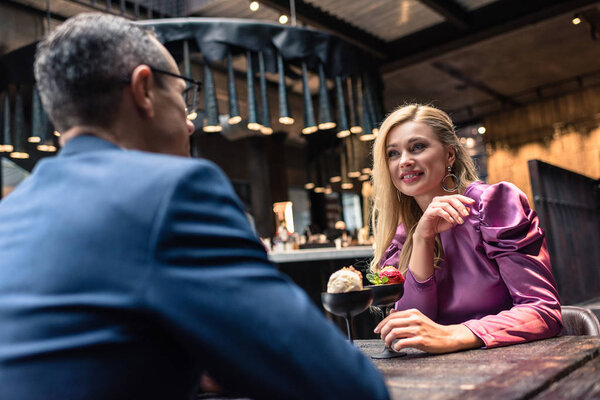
[565, 367]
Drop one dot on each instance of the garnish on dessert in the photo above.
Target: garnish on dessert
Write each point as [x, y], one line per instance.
[388, 275]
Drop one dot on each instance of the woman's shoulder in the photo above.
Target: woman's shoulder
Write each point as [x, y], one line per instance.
[501, 191]
[499, 204]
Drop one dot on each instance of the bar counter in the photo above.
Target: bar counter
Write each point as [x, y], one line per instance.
[327, 253]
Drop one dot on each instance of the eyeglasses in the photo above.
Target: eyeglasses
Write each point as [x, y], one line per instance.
[190, 94]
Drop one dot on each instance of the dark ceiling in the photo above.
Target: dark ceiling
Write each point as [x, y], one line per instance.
[469, 57]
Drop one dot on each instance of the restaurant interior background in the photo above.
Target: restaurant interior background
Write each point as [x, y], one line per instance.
[519, 78]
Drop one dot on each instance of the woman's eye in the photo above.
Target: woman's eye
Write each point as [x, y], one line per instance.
[392, 153]
[417, 147]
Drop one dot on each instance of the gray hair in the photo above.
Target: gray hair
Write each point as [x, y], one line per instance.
[83, 65]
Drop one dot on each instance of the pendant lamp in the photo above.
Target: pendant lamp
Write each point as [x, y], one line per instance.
[335, 173]
[36, 105]
[346, 183]
[19, 150]
[353, 107]
[265, 129]
[325, 118]
[47, 144]
[211, 108]
[343, 119]
[367, 131]
[353, 170]
[310, 176]
[310, 126]
[234, 112]
[285, 117]
[192, 114]
[253, 123]
[6, 144]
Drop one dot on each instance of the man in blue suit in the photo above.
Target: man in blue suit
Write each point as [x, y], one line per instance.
[128, 274]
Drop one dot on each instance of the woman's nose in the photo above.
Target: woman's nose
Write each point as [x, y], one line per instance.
[405, 160]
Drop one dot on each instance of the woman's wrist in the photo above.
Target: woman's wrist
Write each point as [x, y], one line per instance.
[463, 338]
[421, 239]
[421, 260]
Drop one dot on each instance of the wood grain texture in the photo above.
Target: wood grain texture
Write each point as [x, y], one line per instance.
[583, 383]
[512, 372]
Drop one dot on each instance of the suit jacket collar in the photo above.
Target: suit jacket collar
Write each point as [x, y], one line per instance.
[85, 143]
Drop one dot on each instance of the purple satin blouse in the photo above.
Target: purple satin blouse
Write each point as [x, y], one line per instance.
[495, 278]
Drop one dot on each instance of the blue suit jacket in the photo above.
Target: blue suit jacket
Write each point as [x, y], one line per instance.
[124, 275]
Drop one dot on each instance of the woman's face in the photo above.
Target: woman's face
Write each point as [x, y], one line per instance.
[417, 161]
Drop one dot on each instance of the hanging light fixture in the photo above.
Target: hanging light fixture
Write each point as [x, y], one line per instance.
[310, 126]
[192, 114]
[346, 184]
[310, 176]
[46, 132]
[234, 112]
[265, 129]
[353, 170]
[253, 124]
[343, 119]
[353, 107]
[223, 39]
[319, 181]
[6, 145]
[211, 108]
[367, 131]
[285, 117]
[335, 173]
[36, 104]
[325, 118]
[19, 150]
[370, 103]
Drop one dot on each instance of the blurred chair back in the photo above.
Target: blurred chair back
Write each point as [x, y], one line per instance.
[568, 205]
[579, 321]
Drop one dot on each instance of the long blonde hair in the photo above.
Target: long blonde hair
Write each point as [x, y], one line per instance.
[390, 206]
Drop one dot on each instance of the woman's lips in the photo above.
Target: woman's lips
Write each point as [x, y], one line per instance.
[411, 177]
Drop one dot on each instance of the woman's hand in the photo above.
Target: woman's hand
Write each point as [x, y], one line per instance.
[410, 328]
[442, 214]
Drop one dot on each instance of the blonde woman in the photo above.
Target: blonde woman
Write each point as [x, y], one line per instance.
[475, 261]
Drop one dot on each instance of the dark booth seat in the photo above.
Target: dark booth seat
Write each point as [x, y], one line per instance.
[579, 321]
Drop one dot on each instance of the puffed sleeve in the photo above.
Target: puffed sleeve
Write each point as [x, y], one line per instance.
[391, 255]
[513, 239]
[419, 295]
[251, 328]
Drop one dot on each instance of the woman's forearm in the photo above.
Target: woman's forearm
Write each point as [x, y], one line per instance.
[421, 258]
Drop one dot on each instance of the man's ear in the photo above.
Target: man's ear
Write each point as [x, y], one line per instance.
[142, 89]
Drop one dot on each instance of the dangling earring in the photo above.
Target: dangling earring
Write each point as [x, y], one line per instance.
[398, 196]
[450, 175]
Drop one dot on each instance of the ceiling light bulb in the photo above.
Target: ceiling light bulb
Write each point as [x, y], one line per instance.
[576, 21]
[283, 19]
[254, 6]
[481, 130]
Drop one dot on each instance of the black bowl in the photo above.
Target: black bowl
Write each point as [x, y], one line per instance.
[386, 294]
[347, 304]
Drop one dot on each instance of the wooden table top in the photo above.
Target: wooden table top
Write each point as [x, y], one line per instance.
[559, 368]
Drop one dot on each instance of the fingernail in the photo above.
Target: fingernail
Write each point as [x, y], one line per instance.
[465, 213]
[460, 220]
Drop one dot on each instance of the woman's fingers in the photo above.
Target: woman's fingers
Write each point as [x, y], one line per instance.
[452, 212]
